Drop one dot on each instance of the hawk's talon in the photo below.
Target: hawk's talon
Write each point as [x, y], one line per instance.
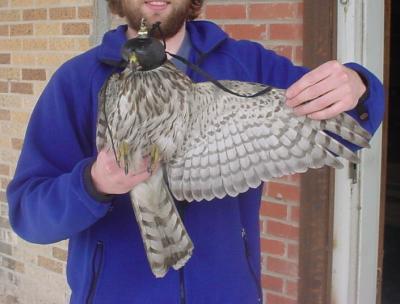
[117, 160]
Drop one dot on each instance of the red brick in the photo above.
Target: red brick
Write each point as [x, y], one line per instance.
[3, 3]
[283, 191]
[60, 254]
[284, 50]
[246, 31]
[272, 283]
[298, 57]
[293, 251]
[294, 214]
[273, 210]
[263, 263]
[4, 183]
[50, 264]
[282, 230]
[10, 15]
[21, 29]
[16, 143]
[231, 11]
[277, 299]
[4, 30]
[5, 115]
[3, 87]
[5, 58]
[4, 169]
[33, 74]
[294, 178]
[21, 87]
[62, 13]
[12, 264]
[286, 31]
[291, 288]
[300, 11]
[85, 12]
[273, 10]
[282, 266]
[34, 14]
[3, 247]
[272, 246]
[75, 29]
[263, 226]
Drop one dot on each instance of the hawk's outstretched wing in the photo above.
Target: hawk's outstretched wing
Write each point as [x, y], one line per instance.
[234, 143]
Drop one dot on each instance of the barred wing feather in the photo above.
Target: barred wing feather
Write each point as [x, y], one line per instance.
[234, 143]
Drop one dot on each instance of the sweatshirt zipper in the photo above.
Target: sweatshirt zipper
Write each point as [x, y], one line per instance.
[252, 272]
[182, 292]
[96, 265]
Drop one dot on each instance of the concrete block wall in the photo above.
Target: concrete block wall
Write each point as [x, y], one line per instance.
[36, 36]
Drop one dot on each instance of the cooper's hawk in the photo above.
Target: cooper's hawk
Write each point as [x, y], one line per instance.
[210, 143]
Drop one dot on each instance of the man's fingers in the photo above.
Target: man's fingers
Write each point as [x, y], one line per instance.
[327, 113]
[131, 180]
[311, 78]
[319, 89]
[319, 103]
[123, 183]
[141, 168]
[107, 158]
[138, 177]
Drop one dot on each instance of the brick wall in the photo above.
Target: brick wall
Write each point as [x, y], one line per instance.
[277, 24]
[36, 36]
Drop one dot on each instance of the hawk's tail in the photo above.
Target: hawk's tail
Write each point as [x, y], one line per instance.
[166, 241]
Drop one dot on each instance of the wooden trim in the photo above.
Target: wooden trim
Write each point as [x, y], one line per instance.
[317, 186]
[385, 126]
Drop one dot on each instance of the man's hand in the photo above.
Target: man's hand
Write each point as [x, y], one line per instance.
[109, 178]
[326, 91]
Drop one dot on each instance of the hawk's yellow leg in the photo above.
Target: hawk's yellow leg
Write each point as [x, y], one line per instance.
[122, 153]
[154, 158]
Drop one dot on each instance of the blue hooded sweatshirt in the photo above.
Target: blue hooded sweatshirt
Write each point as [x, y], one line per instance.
[49, 200]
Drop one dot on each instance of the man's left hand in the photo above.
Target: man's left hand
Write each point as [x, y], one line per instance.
[326, 91]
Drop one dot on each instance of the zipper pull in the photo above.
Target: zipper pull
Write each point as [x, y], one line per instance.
[244, 236]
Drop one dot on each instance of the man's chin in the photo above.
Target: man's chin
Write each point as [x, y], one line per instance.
[156, 17]
[170, 24]
[153, 20]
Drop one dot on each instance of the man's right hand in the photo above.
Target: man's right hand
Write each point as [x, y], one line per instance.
[109, 178]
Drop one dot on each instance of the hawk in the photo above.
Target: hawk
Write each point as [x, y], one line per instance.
[209, 143]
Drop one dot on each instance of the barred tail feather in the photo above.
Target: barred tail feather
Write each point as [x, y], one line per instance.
[166, 241]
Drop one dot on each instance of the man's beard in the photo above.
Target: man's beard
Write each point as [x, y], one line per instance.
[169, 26]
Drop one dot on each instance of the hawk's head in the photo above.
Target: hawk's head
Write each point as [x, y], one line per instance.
[144, 52]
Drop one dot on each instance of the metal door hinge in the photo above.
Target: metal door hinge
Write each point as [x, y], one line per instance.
[353, 174]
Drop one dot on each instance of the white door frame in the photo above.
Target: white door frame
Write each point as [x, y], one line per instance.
[357, 189]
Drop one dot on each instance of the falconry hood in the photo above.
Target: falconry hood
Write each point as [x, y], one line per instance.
[144, 52]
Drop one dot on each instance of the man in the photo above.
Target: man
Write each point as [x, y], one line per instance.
[64, 189]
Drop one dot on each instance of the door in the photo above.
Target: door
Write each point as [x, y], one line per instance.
[357, 189]
[390, 243]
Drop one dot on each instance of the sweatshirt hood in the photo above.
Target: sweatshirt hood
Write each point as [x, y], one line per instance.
[205, 36]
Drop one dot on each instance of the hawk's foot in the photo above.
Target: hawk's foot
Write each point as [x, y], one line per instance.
[122, 153]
